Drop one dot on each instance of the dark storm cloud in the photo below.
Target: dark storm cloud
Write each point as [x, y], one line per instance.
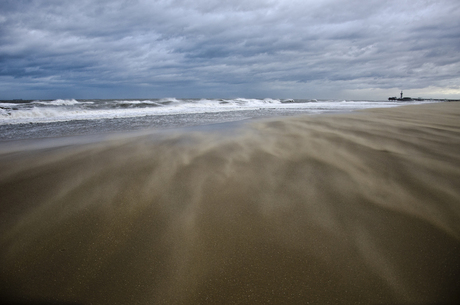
[221, 48]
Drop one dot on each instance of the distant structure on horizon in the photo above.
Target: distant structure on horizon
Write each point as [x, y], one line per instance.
[394, 98]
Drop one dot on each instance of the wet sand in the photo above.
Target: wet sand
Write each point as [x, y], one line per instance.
[360, 208]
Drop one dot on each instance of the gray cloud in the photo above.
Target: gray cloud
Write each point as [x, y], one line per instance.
[207, 48]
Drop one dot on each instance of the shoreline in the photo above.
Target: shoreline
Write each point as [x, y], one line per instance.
[159, 121]
[157, 129]
[121, 125]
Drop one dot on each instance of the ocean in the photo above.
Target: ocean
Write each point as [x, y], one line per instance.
[240, 201]
[20, 119]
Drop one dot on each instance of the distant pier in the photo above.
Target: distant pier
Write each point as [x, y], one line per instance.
[394, 98]
[406, 99]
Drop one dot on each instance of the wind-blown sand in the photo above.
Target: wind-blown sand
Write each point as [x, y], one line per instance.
[349, 208]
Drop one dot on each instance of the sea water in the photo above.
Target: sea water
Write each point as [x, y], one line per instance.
[21, 119]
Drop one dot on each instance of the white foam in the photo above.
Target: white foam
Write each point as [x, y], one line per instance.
[59, 102]
[170, 100]
[136, 102]
[8, 105]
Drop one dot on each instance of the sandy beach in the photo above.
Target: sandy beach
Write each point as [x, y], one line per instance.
[358, 208]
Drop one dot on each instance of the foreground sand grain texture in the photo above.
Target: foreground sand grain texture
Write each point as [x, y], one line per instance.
[338, 209]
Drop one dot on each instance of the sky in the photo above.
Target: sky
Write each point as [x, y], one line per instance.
[331, 49]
